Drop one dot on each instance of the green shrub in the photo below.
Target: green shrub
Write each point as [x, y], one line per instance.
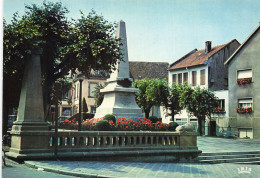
[173, 126]
[154, 119]
[88, 116]
[103, 125]
[84, 116]
[110, 117]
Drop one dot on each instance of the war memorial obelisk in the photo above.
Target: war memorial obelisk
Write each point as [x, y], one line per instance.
[119, 94]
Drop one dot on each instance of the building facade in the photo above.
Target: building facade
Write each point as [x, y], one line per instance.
[151, 70]
[88, 87]
[138, 71]
[204, 68]
[244, 85]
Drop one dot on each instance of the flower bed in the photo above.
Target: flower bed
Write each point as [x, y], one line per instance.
[244, 110]
[219, 111]
[122, 124]
[243, 81]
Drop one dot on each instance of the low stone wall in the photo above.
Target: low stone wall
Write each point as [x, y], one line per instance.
[126, 145]
[118, 146]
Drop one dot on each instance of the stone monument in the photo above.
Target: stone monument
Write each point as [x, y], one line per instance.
[119, 94]
[30, 132]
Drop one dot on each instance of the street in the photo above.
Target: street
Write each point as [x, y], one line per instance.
[14, 170]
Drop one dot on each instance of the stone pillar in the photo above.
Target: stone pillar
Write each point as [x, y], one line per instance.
[30, 134]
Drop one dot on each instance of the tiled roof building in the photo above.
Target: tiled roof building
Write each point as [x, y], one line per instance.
[205, 68]
[198, 57]
[149, 70]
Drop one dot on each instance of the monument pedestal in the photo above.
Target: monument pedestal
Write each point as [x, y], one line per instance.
[119, 101]
[30, 133]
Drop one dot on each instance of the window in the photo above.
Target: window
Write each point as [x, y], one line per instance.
[180, 78]
[244, 74]
[221, 106]
[91, 89]
[65, 95]
[66, 112]
[202, 77]
[245, 133]
[173, 78]
[52, 109]
[245, 103]
[77, 91]
[185, 77]
[194, 78]
[92, 109]
[226, 81]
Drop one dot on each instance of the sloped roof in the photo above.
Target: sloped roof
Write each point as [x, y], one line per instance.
[149, 70]
[196, 57]
[242, 45]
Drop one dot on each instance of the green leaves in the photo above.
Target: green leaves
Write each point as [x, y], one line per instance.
[151, 92]
[98, 97]
[199, 101]
[68, 45]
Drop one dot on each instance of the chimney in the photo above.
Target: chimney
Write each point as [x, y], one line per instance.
[207, 47]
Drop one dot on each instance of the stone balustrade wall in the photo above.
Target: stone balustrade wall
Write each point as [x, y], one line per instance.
[121, 140]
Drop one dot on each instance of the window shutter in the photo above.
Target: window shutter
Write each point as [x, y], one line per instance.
[185, 76]
[244, 74]
[180, 78]
[194, 78]
[173, 78]
[202, 77]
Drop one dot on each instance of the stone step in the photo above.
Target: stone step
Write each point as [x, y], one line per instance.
[242, 160]
[228, 156]
[250, 162]
[230, 153]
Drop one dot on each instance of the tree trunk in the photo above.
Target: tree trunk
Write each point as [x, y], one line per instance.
[147, 114]
[172, 114]
[200, 126]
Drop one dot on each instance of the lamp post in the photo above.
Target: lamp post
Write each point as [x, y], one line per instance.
[80, 77]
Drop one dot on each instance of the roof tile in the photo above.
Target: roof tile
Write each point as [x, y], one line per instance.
[196, 57]
[149, 70]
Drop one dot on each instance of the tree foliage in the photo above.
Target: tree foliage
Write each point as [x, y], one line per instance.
[67, 45]
[199, 102]
[174, 100]
[98, 96]
[78, 45]
[84, 105]
[151, 92]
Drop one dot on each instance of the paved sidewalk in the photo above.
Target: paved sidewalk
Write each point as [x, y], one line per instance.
[217, 144]
[135, 169]
[146, 170]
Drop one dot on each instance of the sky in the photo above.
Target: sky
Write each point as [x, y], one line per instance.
[165, 30]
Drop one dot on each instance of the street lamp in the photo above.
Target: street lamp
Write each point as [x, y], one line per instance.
[80, 77]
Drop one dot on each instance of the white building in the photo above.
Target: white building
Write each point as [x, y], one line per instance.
[204, 68]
